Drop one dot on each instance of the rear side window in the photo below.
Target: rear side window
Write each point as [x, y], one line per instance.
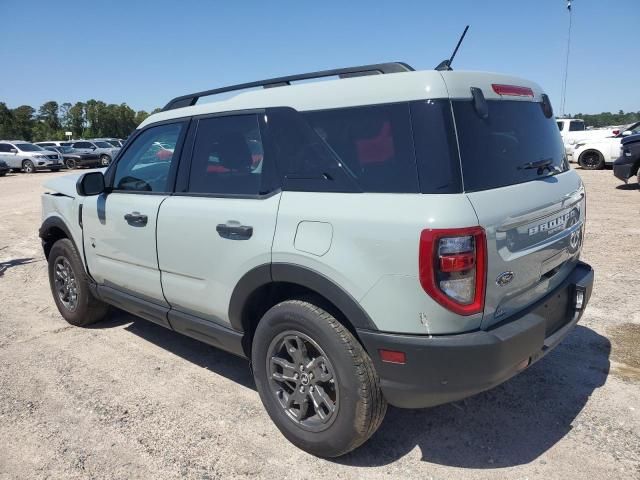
[227, 156]
[435, 144]
[576, 126]
[373, 142]
[504, 148]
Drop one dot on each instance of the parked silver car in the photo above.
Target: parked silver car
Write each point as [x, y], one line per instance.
[21, 155]
[105, 150]
[116, 142]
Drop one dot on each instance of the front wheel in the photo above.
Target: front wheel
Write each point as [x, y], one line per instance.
[105, 160]
[28, 166]
[591, 160]
[70, 286]
[70, 163]
[315, 380]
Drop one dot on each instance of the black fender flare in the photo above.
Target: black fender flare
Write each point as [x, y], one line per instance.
[297, 275]
[46, 229]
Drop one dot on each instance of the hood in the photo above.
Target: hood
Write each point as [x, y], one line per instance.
[66, 185]
[631, 139]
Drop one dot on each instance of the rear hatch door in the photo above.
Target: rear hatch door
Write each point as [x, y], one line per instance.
[529, 202]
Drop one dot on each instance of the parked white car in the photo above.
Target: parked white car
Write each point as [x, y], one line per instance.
[594, 154]
[573, 130]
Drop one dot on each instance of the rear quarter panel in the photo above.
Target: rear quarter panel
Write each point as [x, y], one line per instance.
[373, 251]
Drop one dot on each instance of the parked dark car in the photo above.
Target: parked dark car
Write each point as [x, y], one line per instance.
[4, 168]
[628, 164]
[73, 159]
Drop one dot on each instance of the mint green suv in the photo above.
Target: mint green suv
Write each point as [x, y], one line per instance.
[387, 237]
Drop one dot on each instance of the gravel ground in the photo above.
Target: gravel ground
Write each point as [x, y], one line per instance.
[129, 399]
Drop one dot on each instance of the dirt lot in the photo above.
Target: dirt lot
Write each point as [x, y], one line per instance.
[128, 399]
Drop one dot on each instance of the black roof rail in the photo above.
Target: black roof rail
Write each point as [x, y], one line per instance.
[376, 69]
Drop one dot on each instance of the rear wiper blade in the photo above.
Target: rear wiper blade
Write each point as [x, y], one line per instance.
[542, 166]
[539, 164]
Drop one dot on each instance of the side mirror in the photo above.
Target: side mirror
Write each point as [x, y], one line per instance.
[13, 150]
[91, 183]
[626, 133]
[93, 147]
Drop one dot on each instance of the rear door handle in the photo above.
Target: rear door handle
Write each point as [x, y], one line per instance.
[234, 231]
[136, 219]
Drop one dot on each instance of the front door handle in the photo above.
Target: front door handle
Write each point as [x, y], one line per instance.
[136, 219]
[234, 231]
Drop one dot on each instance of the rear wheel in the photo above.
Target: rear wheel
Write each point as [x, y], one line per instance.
[591, 160]
[105, 160]
[315, 380]
[28, 166]
[70, 163]
[70, 286]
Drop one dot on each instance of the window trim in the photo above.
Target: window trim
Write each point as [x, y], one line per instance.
[173, 169]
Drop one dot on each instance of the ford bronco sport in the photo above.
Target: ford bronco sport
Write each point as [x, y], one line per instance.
[389, 236]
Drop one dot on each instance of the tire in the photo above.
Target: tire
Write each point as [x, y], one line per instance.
[591, 160]
[70, 163]
[28, 166]
[354, 391]
[105, 160]
[85, 309]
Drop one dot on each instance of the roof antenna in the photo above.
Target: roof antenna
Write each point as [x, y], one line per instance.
[446, 64]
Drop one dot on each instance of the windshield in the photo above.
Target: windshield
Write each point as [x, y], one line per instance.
[516, 143]
[28, 147]
[113, 143]
[65, 149]
[103, 144]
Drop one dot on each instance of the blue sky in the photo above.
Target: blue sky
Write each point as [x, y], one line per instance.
[145, 52]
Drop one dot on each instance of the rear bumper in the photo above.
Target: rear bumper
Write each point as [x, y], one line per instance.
[441, 369]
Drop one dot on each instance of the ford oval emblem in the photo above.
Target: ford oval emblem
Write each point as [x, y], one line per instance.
[504, 278]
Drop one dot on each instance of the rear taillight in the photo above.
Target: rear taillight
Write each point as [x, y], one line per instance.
[453, 267]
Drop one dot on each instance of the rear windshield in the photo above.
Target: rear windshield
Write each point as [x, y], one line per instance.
[508, 146]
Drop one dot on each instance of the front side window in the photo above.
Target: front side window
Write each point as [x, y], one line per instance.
[144, 168]
[227, 156]
[5, 148]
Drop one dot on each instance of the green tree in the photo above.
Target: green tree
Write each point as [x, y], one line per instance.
[23, 122]
[77, 120]
[7, 122]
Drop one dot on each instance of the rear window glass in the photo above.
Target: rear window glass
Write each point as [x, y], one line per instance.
[576, 126]
[373, 142]
[504, 148]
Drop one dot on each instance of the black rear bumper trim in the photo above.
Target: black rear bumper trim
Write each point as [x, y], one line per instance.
[441, 369]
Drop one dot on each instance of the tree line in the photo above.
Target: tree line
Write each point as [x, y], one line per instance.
[90, 119]
[606, 119]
